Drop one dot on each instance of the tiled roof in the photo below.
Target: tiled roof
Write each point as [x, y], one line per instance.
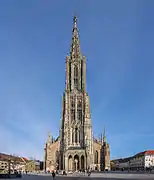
[114, 160]
[148, 152]
[120, 160]
[6, 157]
[25, 159]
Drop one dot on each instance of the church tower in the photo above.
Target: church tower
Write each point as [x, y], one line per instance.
[76, 141]
[76, 148]
[105, 154]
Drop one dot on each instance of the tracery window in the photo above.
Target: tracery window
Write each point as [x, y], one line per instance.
[72, 137]
[72, 102]
[72, 114]
[79, 103]
[76, 135]
[72, 108]
[75, 71]
[79, 113]
[75, 83]
[75, 77]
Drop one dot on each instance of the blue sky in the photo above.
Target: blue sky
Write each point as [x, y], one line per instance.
[117, 39]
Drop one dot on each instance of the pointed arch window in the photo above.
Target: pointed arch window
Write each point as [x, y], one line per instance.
[72, 137]
[96, 157]
[75, 71]
[76, 135]
[79, 114]
[72, 102]
[76, 77]
[72, 114]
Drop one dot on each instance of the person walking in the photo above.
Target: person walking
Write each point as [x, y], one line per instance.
[89, 172]
[53, 174]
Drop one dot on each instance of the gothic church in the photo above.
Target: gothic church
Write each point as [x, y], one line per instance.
[76, 148]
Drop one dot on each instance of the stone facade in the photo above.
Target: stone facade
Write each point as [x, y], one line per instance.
[32, 166]
[76, 149]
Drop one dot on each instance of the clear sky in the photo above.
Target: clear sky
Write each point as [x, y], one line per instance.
[117, 38]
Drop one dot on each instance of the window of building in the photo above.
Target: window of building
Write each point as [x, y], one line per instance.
[79, 112]
[72, 137]
[79, 103]
[72, 114]
[76, 135]
[79, 135]
[75, 71]
[96, 157]
[72, 103]
[75, 83]
[76, 77]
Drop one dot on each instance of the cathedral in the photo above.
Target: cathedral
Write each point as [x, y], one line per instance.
[76, 148]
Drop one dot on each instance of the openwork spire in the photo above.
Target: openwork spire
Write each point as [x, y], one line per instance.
[75, 51]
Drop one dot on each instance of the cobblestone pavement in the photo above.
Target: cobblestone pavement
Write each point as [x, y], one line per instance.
[107, 176]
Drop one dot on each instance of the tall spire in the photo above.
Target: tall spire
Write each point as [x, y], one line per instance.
[104, 136]
[75, 51]
[101, 138]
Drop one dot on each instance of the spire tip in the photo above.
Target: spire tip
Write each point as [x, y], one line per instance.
[75, 18]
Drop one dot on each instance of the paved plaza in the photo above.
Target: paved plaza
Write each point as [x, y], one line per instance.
[103, 176]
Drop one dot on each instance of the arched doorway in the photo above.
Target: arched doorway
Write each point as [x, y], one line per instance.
[82, 162]
[70, 163]
[96, 168]
[76, 162]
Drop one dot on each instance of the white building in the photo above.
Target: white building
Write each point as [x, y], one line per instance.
[148, 158]
[141, 161]
[137, 162]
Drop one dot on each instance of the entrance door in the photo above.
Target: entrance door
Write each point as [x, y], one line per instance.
[82, 162]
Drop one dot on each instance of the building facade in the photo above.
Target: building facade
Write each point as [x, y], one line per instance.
[141, 161]
[12, 163]
[32, 166]
[75, 148]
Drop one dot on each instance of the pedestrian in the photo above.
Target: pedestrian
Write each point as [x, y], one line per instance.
[53, 174]
[89, 172]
